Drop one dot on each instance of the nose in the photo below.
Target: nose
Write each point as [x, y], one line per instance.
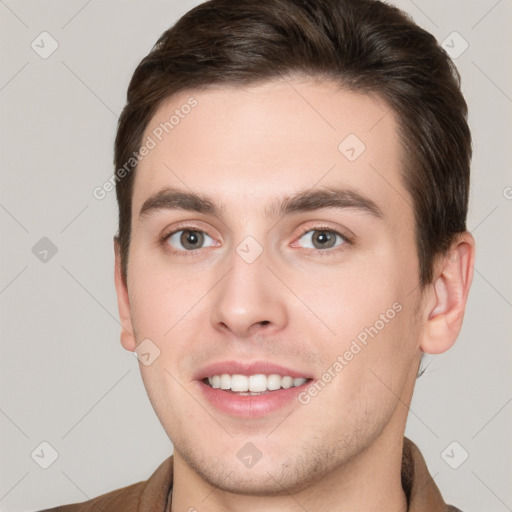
[249, 300]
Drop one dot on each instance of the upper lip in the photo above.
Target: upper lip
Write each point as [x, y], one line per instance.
[247, 368]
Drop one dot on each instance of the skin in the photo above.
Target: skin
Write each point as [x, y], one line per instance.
[245, 148]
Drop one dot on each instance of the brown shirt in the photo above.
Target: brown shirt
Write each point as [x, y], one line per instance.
[152, 495]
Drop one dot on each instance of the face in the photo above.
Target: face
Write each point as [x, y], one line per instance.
[295, 257]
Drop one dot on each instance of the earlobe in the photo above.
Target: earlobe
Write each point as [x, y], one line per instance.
[123, 302]
[448, 296]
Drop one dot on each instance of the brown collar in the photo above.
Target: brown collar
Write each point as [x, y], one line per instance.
[419, 487]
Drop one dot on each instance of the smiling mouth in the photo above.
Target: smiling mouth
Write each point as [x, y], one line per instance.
[253, 385]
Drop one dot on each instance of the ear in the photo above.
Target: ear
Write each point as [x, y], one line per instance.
[447, 296]
[123, 302]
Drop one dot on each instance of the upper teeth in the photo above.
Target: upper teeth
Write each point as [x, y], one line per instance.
[255, 383]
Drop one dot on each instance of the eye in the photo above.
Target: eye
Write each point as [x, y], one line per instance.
[189, 240]
[318, 239]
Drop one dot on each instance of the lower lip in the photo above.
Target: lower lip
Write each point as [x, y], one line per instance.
[254, 406]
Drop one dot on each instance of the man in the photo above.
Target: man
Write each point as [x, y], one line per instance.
[292, 179]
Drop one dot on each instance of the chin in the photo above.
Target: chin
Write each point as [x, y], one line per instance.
[269, 476]
[254, 483]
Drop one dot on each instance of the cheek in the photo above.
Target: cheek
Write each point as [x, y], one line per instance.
[161, 295]
[367, 370]
[351, 297]
[370, 312]
[165, 391]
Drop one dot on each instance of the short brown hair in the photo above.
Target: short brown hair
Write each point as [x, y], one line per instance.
[363, 45]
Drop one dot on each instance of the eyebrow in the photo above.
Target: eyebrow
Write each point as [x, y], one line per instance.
[306, 200]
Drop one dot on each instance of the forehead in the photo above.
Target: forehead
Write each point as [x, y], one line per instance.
[255, 144]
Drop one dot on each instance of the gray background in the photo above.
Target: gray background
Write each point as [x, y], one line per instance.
[66, 380]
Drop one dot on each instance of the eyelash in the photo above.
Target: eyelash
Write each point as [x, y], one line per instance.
[322, 252]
